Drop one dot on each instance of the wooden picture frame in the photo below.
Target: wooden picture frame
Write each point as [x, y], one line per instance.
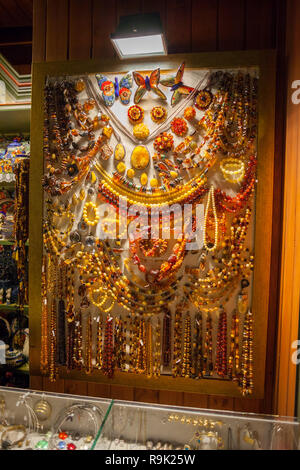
[265, 61]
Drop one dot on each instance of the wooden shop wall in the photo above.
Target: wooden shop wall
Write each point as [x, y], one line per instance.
[79, 29]
[288, 322]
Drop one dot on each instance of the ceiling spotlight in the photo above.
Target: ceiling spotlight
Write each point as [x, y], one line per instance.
[139, 36]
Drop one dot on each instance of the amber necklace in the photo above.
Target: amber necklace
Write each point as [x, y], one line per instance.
[233, 360]
[149, 349]
[108, 352]
[52, 363]
[119, 342]
[88, 361]
[187, 350]
[207, 355]
[177, 342]
[44, 363]
[197, 357]
[221, 350]
[210, 201]
[141, 351]
[99, 352]
[157, 354]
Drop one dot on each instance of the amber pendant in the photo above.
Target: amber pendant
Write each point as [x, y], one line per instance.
[85, 302]
[242, 303]
[202, 263]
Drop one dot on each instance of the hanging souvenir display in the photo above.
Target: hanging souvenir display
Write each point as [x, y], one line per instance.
[121, 294]
[11, 150]
[7, 203]
[9, 285]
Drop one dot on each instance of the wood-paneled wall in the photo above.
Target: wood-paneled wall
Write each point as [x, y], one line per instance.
[79, 29]
[94, 389]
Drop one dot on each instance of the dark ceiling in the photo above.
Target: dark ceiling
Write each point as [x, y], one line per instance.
[16, 33]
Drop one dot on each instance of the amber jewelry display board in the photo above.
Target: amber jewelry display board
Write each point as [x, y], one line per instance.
[200, 135]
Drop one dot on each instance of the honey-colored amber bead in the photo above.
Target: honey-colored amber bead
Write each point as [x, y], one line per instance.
[107, 132]
[79, 85]
[144, 179]
[130, 173]
[121, 167]
[153, 183]
[119, 152]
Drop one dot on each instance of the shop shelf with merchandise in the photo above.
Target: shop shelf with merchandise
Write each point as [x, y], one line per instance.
[10, 243]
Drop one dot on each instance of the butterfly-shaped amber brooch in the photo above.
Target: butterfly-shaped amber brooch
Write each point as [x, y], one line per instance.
[177, 86]
[111, 91]
[147, 84]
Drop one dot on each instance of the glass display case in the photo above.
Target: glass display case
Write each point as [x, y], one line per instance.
[49, 421]
[140, 426]
[40, 420]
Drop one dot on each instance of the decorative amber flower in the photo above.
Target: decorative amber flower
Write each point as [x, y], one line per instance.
[164, 142]
[141, 131]
[203, 100]
[79, 85]
[158, 114]
[179, 126]
[135, 114]
[189, 113]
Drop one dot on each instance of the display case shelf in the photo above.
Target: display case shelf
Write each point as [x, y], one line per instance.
[12, 307]
[7, 242]
[10, 242]
[63, 422]
[24, 369]
[15, 117]
[5, 184]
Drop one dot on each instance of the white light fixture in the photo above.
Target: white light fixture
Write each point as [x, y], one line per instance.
[139, 36]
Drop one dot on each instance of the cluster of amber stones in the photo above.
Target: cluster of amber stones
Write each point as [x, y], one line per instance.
[164, 142]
